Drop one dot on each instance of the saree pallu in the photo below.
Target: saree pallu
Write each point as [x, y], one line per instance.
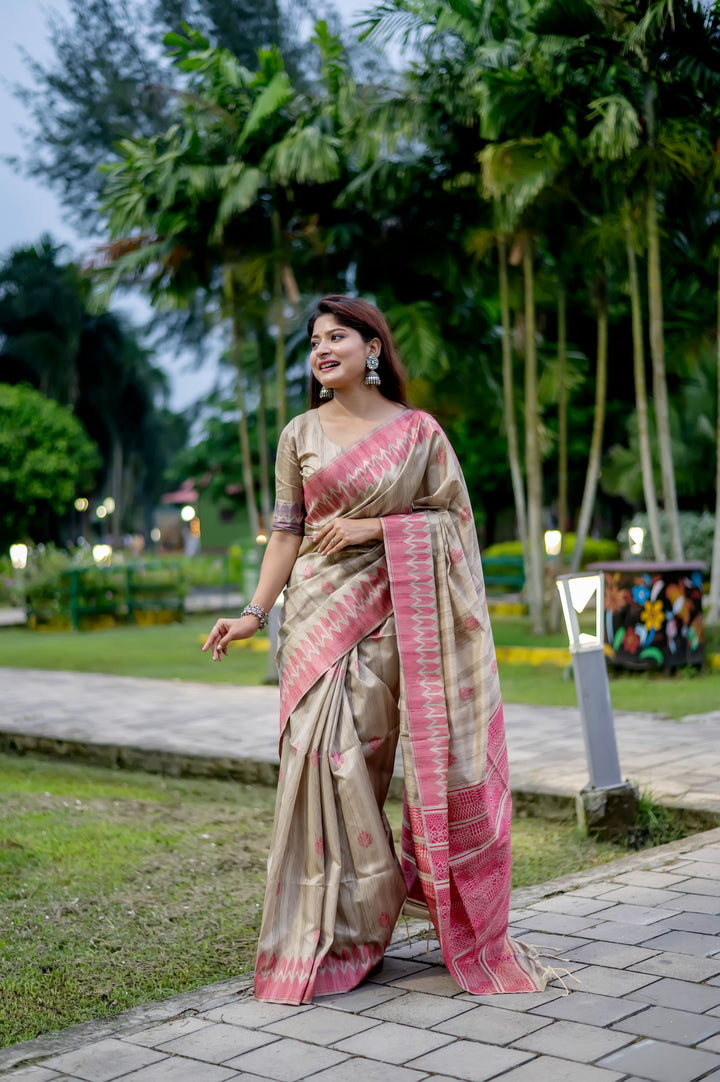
[385, 641]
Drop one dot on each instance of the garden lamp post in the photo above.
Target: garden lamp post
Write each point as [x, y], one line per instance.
[607, 805]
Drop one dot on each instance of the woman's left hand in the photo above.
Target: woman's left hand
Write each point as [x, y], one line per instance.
[341, 532]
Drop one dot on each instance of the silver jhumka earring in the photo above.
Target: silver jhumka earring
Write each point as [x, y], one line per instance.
[372, 379]
[325, 392]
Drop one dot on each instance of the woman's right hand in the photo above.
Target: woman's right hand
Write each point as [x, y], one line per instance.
[226, 631]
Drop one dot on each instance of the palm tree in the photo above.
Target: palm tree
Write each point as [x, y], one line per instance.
[206, 205]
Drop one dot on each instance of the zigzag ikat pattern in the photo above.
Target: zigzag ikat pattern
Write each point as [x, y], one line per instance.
[291, 980]
[354, 611]
[456, 844]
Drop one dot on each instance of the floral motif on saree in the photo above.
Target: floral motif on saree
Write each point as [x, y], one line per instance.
[384, 639]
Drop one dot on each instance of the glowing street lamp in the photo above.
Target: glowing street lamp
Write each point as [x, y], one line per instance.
[82, 503]
[553, 542]
[102, 554]
[608, 805]
[187, 513]
[19, 556]
[636, 537]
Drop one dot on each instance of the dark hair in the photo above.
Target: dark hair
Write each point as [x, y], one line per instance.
[369, 322]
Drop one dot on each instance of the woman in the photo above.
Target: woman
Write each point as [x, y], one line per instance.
[385, 635]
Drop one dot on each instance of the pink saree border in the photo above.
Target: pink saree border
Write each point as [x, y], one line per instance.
[456, 845]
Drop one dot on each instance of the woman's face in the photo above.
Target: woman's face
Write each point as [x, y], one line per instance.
[338, 354]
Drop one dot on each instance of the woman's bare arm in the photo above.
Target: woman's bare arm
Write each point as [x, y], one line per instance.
[280, 555]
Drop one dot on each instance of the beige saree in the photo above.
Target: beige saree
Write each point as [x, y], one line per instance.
[384, 641]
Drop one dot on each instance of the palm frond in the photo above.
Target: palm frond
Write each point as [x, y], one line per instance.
[272, 98]
[618, 129]
[659, 13]
[419, 337]
[307, 155]
[393, 20]
[240, 194]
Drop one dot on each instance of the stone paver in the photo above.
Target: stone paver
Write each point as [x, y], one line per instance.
[393, 1043]
[471, 1061]
[642, 936]
[493, 1025]
[175, 1069]
[218, 1042]
[287, 1060]
[659, 1061]
[104, 1060]
[573, 1040]
[549, 1069]
[678, 1026]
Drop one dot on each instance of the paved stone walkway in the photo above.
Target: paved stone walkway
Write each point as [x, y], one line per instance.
[224, 725]
[642, 935]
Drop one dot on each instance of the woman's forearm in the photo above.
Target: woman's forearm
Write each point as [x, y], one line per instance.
[280, 555]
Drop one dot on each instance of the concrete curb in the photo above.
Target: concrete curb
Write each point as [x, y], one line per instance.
[252, 771]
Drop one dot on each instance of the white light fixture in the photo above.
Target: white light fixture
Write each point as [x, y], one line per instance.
[102, 554]
[591, 680]
[155, 534]
[101, 511]
[187, 514]
[576, 593]
[18, 556]
[81, 503]
[553, 542]
[636, 537]
[109, 504]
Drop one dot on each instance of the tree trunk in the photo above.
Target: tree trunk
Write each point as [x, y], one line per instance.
[535, 565]
[593, 469]
[555, 610]
[114, 525]
[265, 498]
[509, 399]
[562, 413]
[278, 305]
[657, 340]
[641, 401]
[713, 616]
[246, 454]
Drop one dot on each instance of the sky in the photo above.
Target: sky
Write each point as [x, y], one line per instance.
[27, 209]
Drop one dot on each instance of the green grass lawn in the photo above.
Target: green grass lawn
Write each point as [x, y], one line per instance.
[173, 652]
[167, 652]
[675, 696]
[118, 888]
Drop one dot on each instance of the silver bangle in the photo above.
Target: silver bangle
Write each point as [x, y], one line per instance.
[255, 610]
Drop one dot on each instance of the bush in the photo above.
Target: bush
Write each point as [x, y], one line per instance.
[696, 533]
[595, 549]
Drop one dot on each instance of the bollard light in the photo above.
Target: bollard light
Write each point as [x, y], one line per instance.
[607, 806]
[590, 672]
[18, 556]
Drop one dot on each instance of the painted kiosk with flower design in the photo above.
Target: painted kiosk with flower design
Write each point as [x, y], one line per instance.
[653, 614]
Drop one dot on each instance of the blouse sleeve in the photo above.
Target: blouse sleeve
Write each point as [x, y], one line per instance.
[289, 514]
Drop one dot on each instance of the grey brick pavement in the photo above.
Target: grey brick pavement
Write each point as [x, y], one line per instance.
[232, 728]
[641, 936]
